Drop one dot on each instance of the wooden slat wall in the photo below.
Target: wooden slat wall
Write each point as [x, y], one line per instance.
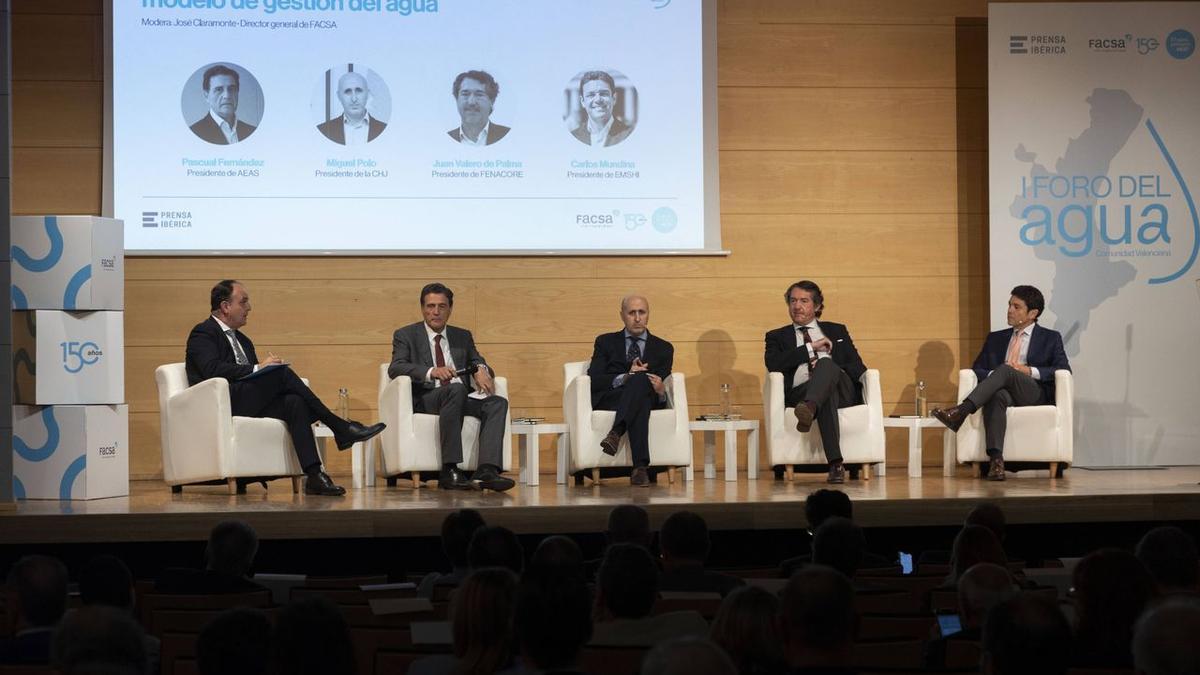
[853, 138]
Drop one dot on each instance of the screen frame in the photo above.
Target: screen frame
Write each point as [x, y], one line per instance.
[711, 207]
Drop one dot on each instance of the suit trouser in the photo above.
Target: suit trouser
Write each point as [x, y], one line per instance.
[282, 395]
[450, 403]
[829, 388]
[1003, 388]
[633, 401]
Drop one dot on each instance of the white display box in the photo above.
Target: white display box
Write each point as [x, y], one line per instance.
[68, 262]
[70, 452]
[78, 357]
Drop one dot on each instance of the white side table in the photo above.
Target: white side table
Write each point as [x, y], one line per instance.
[528, 449]
[914, 426]
[362, 472]
[730, 429]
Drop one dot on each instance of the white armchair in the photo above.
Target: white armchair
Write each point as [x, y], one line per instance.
[411, 443]
[862, 435]
[202, 442]
[1035, 433]
[670, 438]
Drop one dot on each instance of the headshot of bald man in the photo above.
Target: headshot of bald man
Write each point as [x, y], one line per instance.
[354, 126]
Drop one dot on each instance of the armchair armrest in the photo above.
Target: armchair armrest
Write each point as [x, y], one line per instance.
[676, 389]
[201, 423]
[1064, 404]
[577, 402]
[966, 382]
[773, 403]
[873, 396]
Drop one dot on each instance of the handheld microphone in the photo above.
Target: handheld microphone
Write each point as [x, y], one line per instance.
[469, 370]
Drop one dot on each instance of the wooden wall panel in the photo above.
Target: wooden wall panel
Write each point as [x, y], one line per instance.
[853, 151]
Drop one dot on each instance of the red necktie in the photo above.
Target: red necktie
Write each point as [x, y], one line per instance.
[807, 343]
[438, 359]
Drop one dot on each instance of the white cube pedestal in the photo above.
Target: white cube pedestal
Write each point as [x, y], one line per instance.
[78, 357]
[70, 451]
[68, 262]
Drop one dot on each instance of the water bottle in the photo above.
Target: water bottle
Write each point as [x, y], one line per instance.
[726, 403]
[344, 403]
[921, 404]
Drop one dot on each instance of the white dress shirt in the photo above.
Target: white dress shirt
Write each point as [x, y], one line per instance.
[1023, 355]
[814, 333]
[233, 340]
[445, 355]
[480, 140]
[230, 131]
[601, 134]
[357, 134]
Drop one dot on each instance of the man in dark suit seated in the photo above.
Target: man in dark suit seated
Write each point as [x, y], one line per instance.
[217, 348]
[1015, 368]
[229, 560]
[475, 93]
[451, 379]
[821, 369]
[685, 545]
[221, 126]
[37, 589]
[354, 126]
[629, 369]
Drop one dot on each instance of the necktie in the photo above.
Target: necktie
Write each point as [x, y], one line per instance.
[1014, 347]
[634, 352]
[439, 359]
[807, 342]
[238, 355]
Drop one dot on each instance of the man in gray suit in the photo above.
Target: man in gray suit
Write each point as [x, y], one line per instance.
[445, 367]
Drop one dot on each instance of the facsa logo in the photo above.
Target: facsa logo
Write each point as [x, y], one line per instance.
[1115, 44]
[108, 450]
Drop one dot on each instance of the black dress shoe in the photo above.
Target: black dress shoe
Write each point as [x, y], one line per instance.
[837, 474]
[610, 443]
[804, 417]
[243, 482]
[952, 417]
[455, 479]
[489, 479]
[640, 477]
[995, 469]
[356, 432]
[320, 483]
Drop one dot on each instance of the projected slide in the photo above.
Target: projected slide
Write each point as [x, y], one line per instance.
[363, 126]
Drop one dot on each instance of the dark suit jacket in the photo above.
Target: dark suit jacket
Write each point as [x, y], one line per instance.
[412, 355]
[495, 132]
[782, 355]
[187, 581]
[618, 132]
[608, 361]
[208, 130]
[1045, 353]
[210, 355]
[335, 129]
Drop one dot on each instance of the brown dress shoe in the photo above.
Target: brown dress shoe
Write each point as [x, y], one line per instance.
[952, 417]
[610, 443]
[804, 417]
[996, 469]
[837, 474]
[640, 477]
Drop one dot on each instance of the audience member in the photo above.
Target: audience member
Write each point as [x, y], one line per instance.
[1164, 639]
[687, 656]
[37, 592]
[746, 628]
[99, 640]
[974, 544]
[1112, 587]
[819, 506]
[627, 524]
[311, 638]
[626, 589]
[106, 581]
[229, 561]
[1025, 635]
[560, 552]
[481, 623]
[839, 543]
[818, 622]
[986, 514]
[552, 620]
[235, 642]
[457, 529]
[981, 588]
[495, 546]
[1170, 556]
[685, 545]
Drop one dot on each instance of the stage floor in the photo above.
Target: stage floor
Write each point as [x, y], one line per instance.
[153, 513]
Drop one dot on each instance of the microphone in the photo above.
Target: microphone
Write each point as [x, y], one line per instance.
[469, 370]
